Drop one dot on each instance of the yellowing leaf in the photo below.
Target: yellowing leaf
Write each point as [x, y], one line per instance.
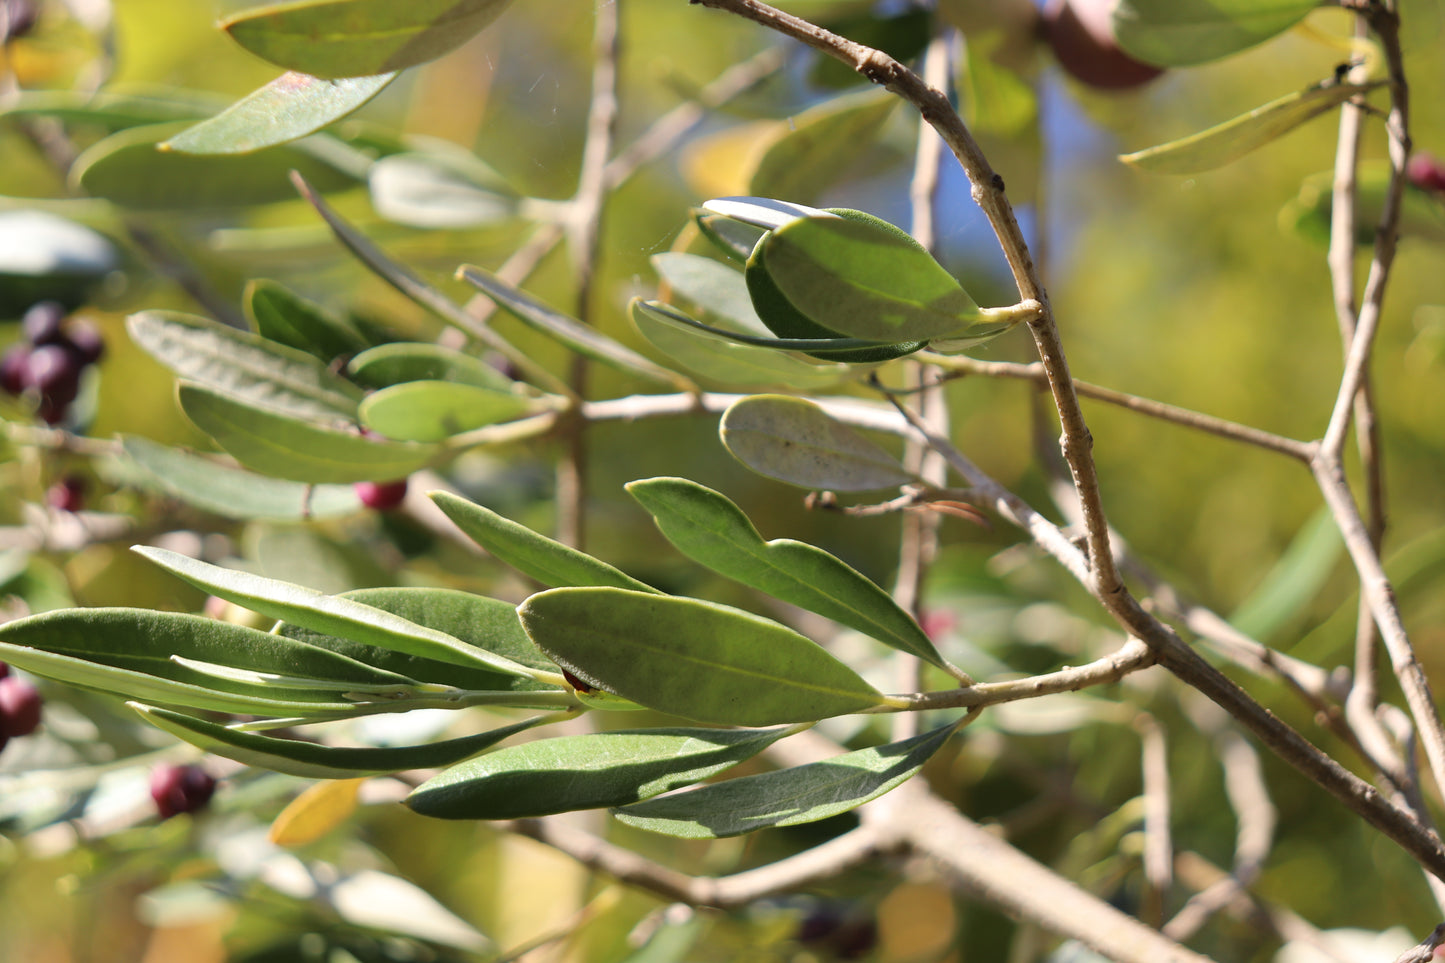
[314, 813]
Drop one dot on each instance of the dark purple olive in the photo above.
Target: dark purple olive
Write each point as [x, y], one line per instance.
[382, 496]
[84, 341]
[20, 706]
[41, 323]
[68, 494]
[13, 367]
[180, 789]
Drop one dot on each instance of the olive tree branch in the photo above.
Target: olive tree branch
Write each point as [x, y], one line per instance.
[988, 192]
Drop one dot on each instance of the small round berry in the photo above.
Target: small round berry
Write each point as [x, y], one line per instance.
[14, 368]
[68, 494]
[381, 496]
[577, 683]
[20, 705]
[1425, 171]
[50, 369]
[180, 789]
[4, 669]
[84, 341]
[1081, 35]
[41, 323]
[17, 18]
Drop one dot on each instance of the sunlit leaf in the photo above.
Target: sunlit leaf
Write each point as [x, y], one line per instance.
[281, 315]
[245, 366]
[795, 441]
[311, 760]
[316, 811]
[436, 410]
[234, 492]
[126, 168]
[1308, 214]
[711, 530]
[585, 772]
[1233, 139]
[400, 361]
[1295, 581]
[787, 797]
[287, 447]
[291, 106]
[534, 555]
[693, 659]
[329, 614]
[841, 349]
[1180, 33]
[353, 38]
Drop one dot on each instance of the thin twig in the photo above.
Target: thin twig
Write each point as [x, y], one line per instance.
[1158, 842]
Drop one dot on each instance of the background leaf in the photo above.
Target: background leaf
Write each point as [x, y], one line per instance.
[291, 106]
[795, 441]
[280, 315]
[693, 659]
[1181, 33]
[803, 160]
[352, 38]
[585, 772]
[431, 192]
[787, 797]
[436, 410]
[400, 361]
[287, 447]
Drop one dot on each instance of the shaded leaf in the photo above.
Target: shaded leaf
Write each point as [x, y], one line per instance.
[709, 529]
[328, 614]
[787, 797]
[802, 160]
[1180, 33]
[44, 257]
[535, 556]
[1294, 582]
[430, 192]
[710, 286]
[280, 315]
[287, 447]
[291, 106]
[399, 361]
[126, 168]
[436, 410]
[1308, 214]
[585, 772]
[732, 237]
[823, 348]
[114, 110]
[795, 441]
[312, 760]
[234, 492]
[570, 332]
[245, 366]
[693, 659]
[1233, 139]
[352, 38]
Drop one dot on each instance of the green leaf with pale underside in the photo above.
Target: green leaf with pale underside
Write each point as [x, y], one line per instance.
[693, 659]
[1181, 33]
[709, 529]
[797, 442]
[787, 797]
[436, 410]
[311, 760]
[291, 106]
[585, 772]
[1233, 139]
[354, 38]
[534, 555]
[287, 447]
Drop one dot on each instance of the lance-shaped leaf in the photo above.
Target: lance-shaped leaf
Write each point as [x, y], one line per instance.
[400, 361]
[114, 110]
[436, 410]
[314, 761]
[585, 772]
[291, 106]
[570, 332]
[245, 366]
[704, 353]
[1233, 139]
[802, 159]
[279, 314]
[352, 38]
[694, 659]
[787, 797]
[797, 442]
[711, 530]
[276, 444]
[852, 350]
[329, 614]
[129, 652]
[127, 169]
[234, 492]
[857, 276]
[439, 192]
[481, 622]
[1181, 33]
[535, 556]
[711, 286]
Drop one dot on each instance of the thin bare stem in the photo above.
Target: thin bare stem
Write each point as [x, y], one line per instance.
[961, 366]
[1158, 841]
